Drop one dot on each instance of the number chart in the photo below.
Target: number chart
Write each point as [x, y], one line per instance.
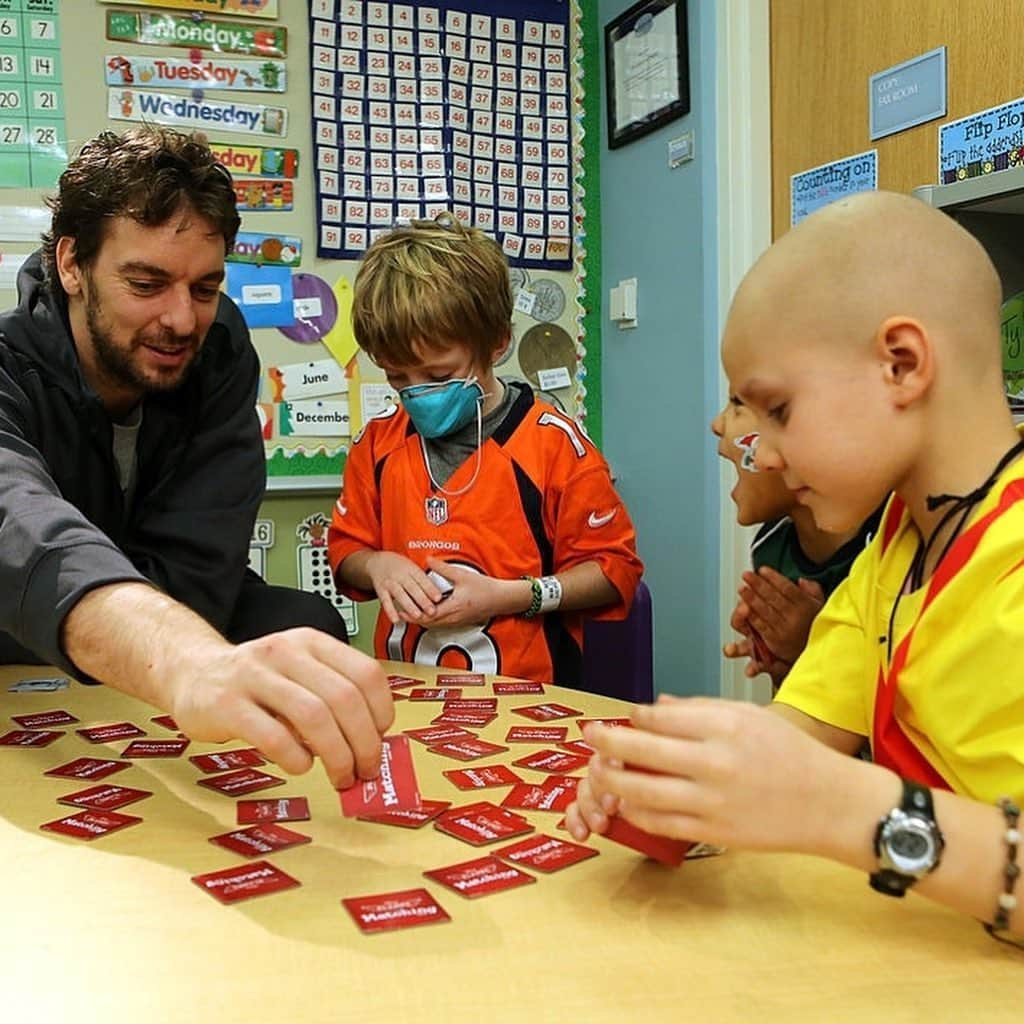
[33, 140]
[423, 107]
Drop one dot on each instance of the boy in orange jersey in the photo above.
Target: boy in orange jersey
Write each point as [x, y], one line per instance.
[866, 342]
[484, 520]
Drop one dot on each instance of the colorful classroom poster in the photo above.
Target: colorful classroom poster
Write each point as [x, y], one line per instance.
[174, 30]
[990, 140]
[33, 138]
[204, 73]
[269, 194]
[274, 250]
[237, 8]
[419, 109]
[819, 186]
[257, 160]
[263, 294]
[127, 104]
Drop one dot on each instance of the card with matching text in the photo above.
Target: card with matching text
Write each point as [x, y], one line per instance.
[225, 760]
[245, 881]
[155, 748]
[546, 853]
[240, 782]
[394, 789]
[546, 712]
[104, 798]
[90, 824]
[467, 750]
[389, 911]
[481, 877]
[109, 733]
[285, 808]
[87, 768]
[44, 719]
[29, 738]
[483, 777]
[259, 840]
[415, 817]
[536, 734]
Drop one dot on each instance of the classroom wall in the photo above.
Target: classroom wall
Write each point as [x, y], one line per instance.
[660, 379]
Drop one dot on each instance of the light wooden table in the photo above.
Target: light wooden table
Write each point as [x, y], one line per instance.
[103, 931]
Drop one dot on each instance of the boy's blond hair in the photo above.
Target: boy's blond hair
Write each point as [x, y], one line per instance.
[435, 283]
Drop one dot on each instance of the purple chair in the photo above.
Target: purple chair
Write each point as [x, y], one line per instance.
[618, 657]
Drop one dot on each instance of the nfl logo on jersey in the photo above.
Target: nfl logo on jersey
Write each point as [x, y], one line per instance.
[437, 511]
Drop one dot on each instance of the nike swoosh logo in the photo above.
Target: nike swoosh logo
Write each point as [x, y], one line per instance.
[594, 521]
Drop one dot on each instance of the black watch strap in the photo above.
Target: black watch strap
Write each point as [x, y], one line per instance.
[916, 800]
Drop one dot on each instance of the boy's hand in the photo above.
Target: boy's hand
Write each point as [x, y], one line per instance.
[406, 593]
[710, 771]
[759, 657]
[780, 610]
[475, 598]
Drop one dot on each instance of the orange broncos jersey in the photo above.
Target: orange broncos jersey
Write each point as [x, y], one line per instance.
[542, 503]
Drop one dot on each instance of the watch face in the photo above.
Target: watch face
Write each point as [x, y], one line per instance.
[909, 845]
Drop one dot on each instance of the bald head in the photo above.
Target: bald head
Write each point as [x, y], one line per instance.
[852, 265]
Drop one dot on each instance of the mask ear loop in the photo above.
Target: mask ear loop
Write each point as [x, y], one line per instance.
[479, 456]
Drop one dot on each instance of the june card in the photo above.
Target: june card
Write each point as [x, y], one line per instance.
[108, 733]
[536, 733]
[467, 750]
[516, 688]
[546, 853]
[556, 761]
[238, 783]
[259, 840]
[90, 824]
[482, 777]
[225, 760]
[285, 808]
[29, 738]
[394, 789]
[480, 877]
[44, 719]
[427, 811]
[245, 881]
[104, 798]
[459, 679]
[155, 748]
[390, 910]
[87, 768]
[546, 712]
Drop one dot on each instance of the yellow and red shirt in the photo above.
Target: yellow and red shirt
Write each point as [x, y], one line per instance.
[542, 503]
[948, 708]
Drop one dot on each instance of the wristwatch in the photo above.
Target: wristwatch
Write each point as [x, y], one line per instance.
[908, 842]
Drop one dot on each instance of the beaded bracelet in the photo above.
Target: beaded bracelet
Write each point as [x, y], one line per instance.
[1007, 900]
[537, 600]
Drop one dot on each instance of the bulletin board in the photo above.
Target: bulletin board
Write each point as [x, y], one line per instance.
[246, 79]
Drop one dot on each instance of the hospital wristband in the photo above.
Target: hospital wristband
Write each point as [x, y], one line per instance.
[546, 595]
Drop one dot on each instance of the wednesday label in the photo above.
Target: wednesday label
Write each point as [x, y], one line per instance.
[166, 108]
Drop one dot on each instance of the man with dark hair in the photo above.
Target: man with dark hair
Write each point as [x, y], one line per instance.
[131, 471]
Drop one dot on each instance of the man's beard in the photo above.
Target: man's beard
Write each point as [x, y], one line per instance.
[116, 362]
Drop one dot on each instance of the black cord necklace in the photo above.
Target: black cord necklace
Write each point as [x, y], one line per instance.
[962, 503]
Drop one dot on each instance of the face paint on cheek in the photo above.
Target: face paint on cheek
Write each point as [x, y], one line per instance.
[747, 445]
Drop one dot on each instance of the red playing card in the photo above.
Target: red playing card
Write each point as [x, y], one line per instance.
[557, 761]
[539, 798]
[166, 721]
[245, 780]
[546, 853]
[483, 805]
[245, 881]
[483, 777]
[90, 824]
[224, 760]
[285, 808]
[536, 733]
[440, 693]
[401, 682]
[473, 719]
[762, 652]
[29, 738]
[259, 840]
[480, 877]
[44, 719]
[107, 733]
[439, 734]
[516, 688]
[659, 848]
[546, 712]
[580, 747]
[459, 679]
[485, 705]
[467, 750]
[391, 910]
[104, 798]
[394, 789]
[87, 768]
[481, 825]
[612, 723]
[413, 818]
[155, 748]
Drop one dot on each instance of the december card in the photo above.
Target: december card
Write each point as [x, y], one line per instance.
[481, 877]
[391, 910]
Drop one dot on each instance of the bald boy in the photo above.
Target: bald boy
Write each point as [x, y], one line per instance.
[866, 343]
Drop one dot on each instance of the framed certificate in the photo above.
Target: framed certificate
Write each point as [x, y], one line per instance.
[647, 66]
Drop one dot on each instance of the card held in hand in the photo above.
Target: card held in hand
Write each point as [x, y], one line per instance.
[394, 789]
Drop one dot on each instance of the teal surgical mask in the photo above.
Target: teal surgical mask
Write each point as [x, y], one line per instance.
[437, 410]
